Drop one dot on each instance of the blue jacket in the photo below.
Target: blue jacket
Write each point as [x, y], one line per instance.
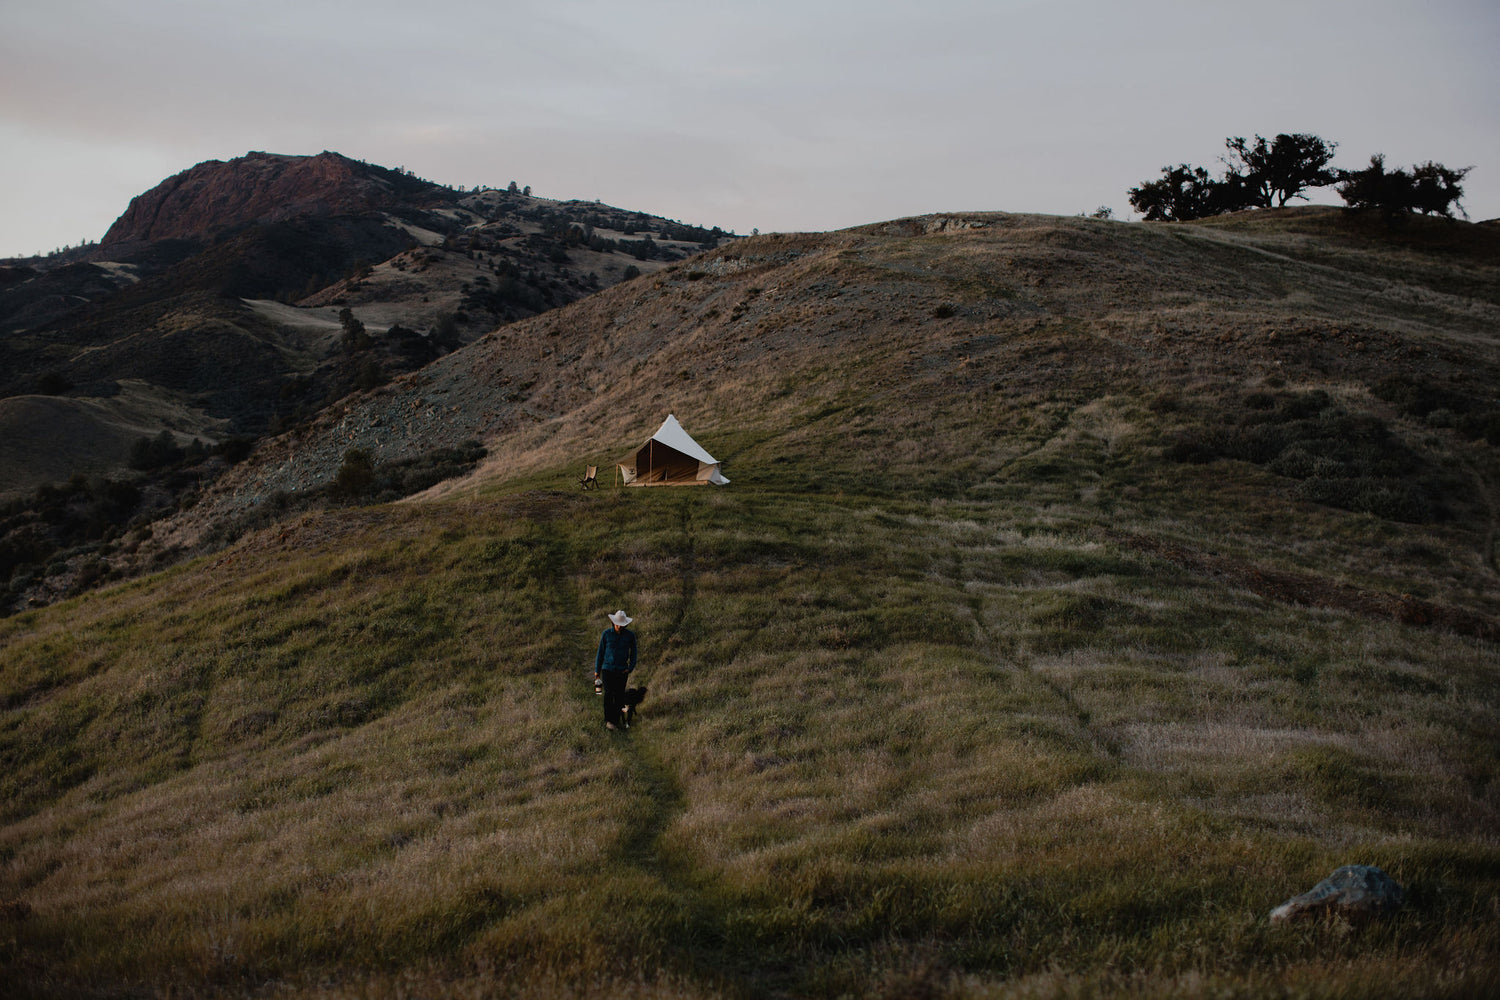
[616, 650]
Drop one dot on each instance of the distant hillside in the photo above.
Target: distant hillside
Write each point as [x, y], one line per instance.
[324, 230]
[219, 299]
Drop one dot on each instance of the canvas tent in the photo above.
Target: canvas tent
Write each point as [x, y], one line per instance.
[670, 458]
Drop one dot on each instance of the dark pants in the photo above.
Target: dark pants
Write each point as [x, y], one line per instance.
[614, 693]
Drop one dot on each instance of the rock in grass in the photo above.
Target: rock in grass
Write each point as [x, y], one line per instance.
[1356, 892]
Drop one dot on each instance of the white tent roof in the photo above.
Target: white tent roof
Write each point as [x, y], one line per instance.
[671, 434]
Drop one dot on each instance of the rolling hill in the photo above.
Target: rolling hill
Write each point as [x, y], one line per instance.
[1084, 590]
[240, 298]
[205, 275]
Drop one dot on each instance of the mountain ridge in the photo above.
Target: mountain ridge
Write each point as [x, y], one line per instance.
[239, 298]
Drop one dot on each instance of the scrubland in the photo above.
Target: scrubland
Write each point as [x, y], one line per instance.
[983, 679]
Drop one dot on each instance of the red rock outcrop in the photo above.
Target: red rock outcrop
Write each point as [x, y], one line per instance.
[258, 187]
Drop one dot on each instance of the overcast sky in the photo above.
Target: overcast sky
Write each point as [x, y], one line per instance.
[774, 114]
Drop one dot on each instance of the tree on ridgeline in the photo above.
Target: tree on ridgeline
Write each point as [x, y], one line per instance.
[1181, 193]
[1281, 169]
[1259, 175]
[1268, 174]
[1430, 188]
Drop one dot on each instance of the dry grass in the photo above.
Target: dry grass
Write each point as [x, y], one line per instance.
[878, 734]
[927, 716]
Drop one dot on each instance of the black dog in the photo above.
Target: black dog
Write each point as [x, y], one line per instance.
[632, 701]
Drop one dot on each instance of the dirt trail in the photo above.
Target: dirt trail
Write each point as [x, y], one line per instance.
[705, 952]
[642, 845]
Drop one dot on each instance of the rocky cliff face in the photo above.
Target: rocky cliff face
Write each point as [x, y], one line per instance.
[258, 187]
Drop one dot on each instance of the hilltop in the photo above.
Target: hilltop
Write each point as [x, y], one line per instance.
[259, 188]
[940, 353]
[1084, 590]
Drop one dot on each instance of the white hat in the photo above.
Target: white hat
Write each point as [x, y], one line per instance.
[621, 619]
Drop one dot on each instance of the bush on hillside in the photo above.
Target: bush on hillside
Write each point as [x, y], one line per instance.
[69, 525]
[234, 450]
[370, 376]
[413, 475]
[1339, 459]
[1441, 406]
[360, 478]
[155, 453]
[1391, 499]
[52, 384]
[354, 476]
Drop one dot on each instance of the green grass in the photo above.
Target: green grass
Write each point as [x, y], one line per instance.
[890, 746]
[967, 687]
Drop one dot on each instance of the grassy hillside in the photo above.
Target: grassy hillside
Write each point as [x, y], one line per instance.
[249, 322]
[1084, 590]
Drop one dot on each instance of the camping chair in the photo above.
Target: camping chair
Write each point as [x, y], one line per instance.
[590, 477]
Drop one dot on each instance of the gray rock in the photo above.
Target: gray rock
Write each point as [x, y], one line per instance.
[1356, 892]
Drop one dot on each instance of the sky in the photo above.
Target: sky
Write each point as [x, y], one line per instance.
[776, 115]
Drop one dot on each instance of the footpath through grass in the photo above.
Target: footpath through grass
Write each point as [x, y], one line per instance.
[892, 747]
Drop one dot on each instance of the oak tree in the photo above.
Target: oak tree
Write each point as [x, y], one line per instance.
[1281, 169]
[1430, 188]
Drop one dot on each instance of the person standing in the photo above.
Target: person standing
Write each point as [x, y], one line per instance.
[614, 662]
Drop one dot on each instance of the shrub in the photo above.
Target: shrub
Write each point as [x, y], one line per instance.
[355, 474]
[417, 474]
[370, 375]
[1480, 425]
[1344, 460]
[53, 384]
[234, 450]
[1390, 499]
[155, 453]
